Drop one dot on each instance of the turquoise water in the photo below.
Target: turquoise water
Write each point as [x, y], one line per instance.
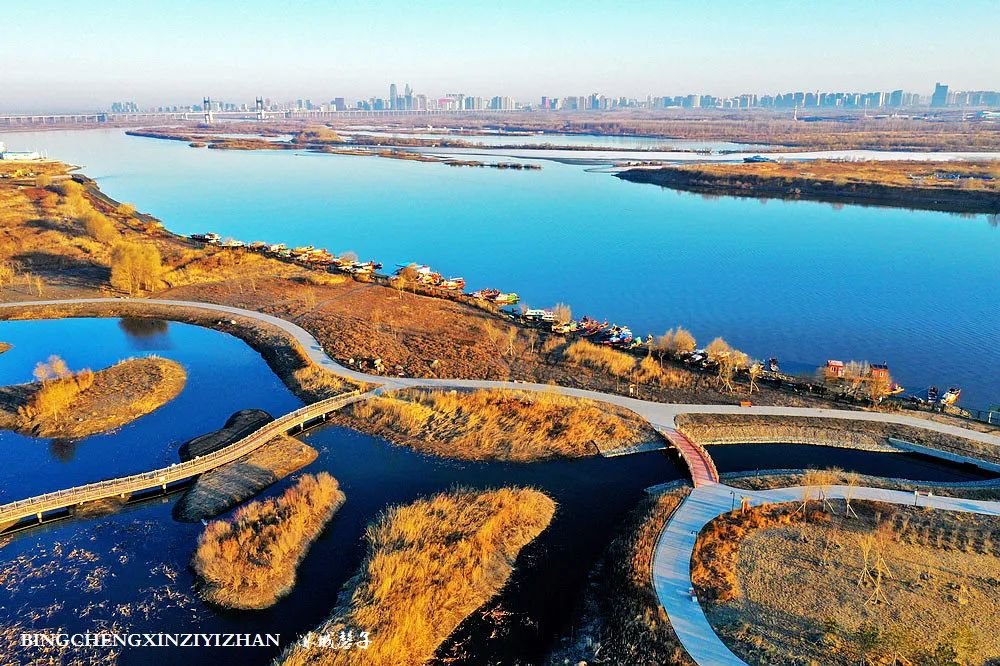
[798, 280]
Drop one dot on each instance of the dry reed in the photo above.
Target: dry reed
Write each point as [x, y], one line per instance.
[250, 560]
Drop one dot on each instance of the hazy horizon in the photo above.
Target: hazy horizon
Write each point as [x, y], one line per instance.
[66, 57]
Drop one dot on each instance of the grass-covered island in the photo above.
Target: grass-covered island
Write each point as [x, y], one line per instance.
[497, 424]
[887, 584]
[429, 565]
[250, 560]
[963, 187]
[63, 404]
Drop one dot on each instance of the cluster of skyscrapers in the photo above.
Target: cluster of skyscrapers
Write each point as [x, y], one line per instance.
[895, 99]
[408, 100]
[411, 101]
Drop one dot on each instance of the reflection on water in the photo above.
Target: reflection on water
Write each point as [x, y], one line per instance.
[130, 569]
[210, 359]
[798, 280]
[758, 457]
[146, 334]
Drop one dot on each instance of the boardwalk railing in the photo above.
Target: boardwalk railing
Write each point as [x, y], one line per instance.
[694, 455]
[123, 486]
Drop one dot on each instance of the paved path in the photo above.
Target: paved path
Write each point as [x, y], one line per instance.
[672, 558]
[657, 413]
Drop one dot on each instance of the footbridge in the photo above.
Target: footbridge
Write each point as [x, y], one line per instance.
[661, 416]
[14, 514]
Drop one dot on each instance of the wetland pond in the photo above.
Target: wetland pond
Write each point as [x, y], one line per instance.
[128, 570]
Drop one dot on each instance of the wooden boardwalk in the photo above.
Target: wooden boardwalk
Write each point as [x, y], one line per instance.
[700, 465]
[36, 507]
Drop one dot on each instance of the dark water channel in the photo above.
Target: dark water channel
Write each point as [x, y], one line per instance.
[128, 571]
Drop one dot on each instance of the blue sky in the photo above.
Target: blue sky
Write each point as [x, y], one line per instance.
[76, 55]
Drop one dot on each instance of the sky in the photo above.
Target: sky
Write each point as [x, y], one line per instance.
[62, 55]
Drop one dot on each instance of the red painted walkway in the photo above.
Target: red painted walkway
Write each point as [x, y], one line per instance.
[699, 463]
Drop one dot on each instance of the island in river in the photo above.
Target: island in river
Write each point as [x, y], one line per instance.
[961, 187]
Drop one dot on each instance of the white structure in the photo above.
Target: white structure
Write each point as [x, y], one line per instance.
[18, 155]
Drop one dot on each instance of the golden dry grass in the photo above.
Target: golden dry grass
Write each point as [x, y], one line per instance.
[429, 565]
[71, 407]
[600, 358]
[800, 601]
[737, 429]
[651, 371]
[250, 560]
[838, 477]
[321, 383]
[498, 424]
[982, 177]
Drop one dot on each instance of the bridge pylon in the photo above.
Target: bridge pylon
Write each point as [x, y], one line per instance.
[207, 106]
[260, 108]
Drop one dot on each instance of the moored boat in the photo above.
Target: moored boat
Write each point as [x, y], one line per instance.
[506, 299]
[452, 284]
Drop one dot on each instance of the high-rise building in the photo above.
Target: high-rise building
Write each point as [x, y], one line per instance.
[392, 96]
[940, 96]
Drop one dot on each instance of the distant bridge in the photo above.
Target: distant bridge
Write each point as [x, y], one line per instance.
[13, 515]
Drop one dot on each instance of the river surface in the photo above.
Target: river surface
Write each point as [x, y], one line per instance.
[129, 570]
[801, 281]
[643, 143]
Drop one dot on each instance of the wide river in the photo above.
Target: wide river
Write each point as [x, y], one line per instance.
[802, 281]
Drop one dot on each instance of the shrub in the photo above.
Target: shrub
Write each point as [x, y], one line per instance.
[683, 341]
[125, 210]
[59, 388]
[135, 266]
[605, 359]
[650, 372]
[99, 227]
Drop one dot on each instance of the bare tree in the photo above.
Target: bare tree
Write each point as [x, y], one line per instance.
[755, 371]
[683, 341]
[510, 337]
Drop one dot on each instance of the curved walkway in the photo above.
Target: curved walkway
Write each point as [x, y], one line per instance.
[657, 413]
[672, 557]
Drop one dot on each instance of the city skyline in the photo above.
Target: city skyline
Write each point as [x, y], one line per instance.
[156, 54]
[942, 96]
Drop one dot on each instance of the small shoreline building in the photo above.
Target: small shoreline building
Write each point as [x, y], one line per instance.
[18, 155]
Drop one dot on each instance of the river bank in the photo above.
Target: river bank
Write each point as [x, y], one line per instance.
[942, 186]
